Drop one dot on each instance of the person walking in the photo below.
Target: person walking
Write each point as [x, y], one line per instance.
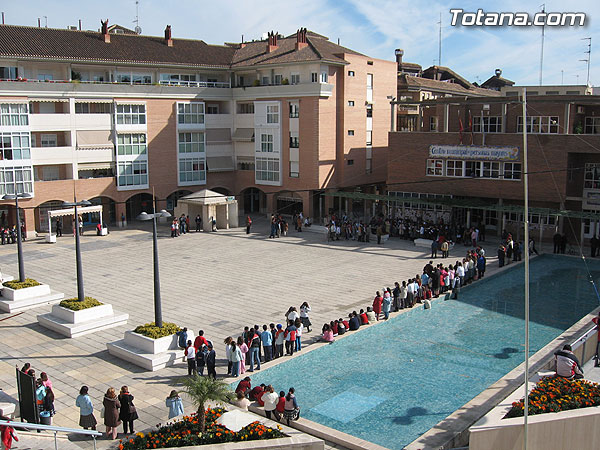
[86, 409]
[111, 413]
[175, 404]
[127, 412]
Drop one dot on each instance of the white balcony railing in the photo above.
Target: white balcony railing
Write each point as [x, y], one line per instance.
[217, 84]
[49, 122]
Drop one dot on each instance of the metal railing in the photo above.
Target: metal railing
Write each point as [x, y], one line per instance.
[33, 426]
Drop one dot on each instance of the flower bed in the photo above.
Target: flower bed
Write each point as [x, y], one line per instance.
[152, 331]
[554, 394]
[16, 284]
[75, 305]
[186, 432]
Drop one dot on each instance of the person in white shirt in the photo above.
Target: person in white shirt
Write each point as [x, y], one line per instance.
[410, 294]
[292, 314]
[271, 398]
[241, 402]
[460, 272]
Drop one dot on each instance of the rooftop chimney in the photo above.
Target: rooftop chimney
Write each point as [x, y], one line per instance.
[79, 24]
[242, 43]
[272, 45]
[104, 31]
[168, 39]
[399, 54]
[301, 41]
[498, 72]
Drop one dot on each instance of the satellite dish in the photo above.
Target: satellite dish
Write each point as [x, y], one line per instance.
[138, 29]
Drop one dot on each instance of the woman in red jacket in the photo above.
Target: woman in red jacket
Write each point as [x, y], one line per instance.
[280, 406]
[377, 301]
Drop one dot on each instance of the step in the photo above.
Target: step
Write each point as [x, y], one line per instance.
[10, 306]
[72, 330]
[146, 361]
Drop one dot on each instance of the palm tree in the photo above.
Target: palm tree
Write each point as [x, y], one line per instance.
[204, 389]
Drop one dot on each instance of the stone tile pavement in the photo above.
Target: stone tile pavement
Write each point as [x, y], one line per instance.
[218, 282]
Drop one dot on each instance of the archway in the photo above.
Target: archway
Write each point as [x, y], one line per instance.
[137, 204]
[172, 199]
[253, 199]
[109, 214]
[289, 203]
[41, 216]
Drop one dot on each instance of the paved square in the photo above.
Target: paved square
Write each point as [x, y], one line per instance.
[218, 282]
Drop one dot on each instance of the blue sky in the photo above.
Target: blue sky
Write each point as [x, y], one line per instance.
[373, 27]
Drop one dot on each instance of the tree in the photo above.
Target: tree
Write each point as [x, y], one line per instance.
[204, 389]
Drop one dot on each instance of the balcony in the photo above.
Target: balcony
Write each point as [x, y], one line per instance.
[93, 121]
[49, 122]
[218, 120]
[52, 155]
[196, 84]
[284, 90]
[92, 155]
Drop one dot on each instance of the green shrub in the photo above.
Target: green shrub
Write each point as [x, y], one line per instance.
[285, 81]
[152, 331]
[75, 305]
[256, 83]
[15, 284]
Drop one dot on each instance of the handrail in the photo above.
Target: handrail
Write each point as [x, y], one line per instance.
[56, 430]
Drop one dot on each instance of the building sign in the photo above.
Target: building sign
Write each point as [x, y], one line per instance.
[591, 200]
[474, 152]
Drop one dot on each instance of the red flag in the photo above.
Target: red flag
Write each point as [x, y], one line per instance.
[471, 126]
[460, 132]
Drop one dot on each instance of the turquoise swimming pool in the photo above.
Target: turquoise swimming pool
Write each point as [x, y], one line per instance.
[391, 383]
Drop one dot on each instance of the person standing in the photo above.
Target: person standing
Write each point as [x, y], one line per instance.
[190, 356]
[111, 412]
[596, 320]
[227, 343]
[254, 351]
[80, 224]
[175, 404]
[236, 359]
[211, 361]
[501, 255]
[594, 244]
[128, 412]
[248, 224]
[86, 409]
[304, 310]
[59, 227]
[198, 222]
[434, 248]
[244, 349]
[377, 302]
[279, 339]
[267, 342]
[387, 304]
[557, 239]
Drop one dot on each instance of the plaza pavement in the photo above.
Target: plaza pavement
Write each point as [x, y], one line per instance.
[218, 282]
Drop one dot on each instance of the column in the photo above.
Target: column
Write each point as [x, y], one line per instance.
[561, 219]
[468, 224]
[29, 216]
[270, 206]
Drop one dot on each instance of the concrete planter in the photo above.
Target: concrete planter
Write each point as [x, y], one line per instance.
[149, 345]
[21, 294]
[295, 443]
[71, 323]
[84, 315]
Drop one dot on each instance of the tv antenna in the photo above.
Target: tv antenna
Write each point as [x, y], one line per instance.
[542, 52]
[589, 57]
[440, 42]
[138, 29]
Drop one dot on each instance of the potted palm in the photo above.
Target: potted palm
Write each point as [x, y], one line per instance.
[204, 389]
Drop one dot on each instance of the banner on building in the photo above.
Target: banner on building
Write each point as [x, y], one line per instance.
[474, 152]
[591, 200]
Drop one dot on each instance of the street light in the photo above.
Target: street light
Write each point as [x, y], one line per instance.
[157, 301]
[75, 204]
[16, 197]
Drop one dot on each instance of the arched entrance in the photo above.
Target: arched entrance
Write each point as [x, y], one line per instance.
[253, 200]
[109, 214]
[137, 204]
[172, 199]
[289, 203]
[41, 216]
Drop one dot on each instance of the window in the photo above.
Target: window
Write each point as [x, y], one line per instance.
[314, 77]
[50, 173]
[435, 167]
[295, 77]
[350, 132]
[472, 168]
[190, 113]
[539, 124]
[592, 176]
[48, 140]
[350, 162]
[8, 73]
[369, 63]
[14, 146]
[454, 168]
[93, 108]
[191, 142]
[134, 78]
[294, 140]
[131, 144]
[272, 113]
[45, 77]
[351, 73]
[177, 79]
[369, 110]
[245, 108]
[324, 77]
[278, 79]
[294, 169]
[266, 143]
[294, 110]
[14, 114]
[369, 81]
[369, 165]
[267, 169]
[491, 169]
[191, 170]
[491, 124]
[512, 171]
[369, 138]
[350, 102]
[265, 81]
[131, 114]
[132, 173]
[592, 125]
[433, 123]
[552, 92]
[21, 177]
[212, 109]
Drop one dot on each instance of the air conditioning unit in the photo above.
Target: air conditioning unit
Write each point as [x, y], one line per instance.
[580, 110]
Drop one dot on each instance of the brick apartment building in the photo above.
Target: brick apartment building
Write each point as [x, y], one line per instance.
[112, 114]
[472, 149]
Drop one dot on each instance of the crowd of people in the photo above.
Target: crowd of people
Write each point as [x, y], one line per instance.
[8, 235]
[278, 406]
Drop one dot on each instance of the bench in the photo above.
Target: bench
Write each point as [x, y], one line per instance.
[8, 405]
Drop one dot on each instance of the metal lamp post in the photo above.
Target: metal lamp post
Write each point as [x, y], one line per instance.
[157, 300]
[75, 204]
[16, 197]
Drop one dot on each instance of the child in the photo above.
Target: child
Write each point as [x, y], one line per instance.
[175, 404]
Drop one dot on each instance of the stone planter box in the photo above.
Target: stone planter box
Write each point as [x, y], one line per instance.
[295, 443]
[77, 323]
[21, 294]
[149, 345]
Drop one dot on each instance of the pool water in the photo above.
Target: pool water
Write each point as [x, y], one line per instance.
[391, 383]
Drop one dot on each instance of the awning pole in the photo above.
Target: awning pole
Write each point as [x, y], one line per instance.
[526, 230]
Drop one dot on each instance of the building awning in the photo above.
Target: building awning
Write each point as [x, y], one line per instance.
[218, 135]
[243, 134]
[95, 166]
[49, 99]
[94, 139]
[219, 163]
[94, 100]
[71, 211]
